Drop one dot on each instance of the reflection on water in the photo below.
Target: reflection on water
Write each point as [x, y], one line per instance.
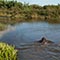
[24, 34]
[29, 32]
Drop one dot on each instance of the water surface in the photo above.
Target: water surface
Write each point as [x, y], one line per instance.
[33, 31]
[24, 34]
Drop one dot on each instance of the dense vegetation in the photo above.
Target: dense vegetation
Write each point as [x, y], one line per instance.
[14, 12]
[7, 52]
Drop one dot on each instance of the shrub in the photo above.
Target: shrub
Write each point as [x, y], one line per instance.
[7, 52]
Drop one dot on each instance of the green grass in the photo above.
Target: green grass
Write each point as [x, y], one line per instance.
[7, 52]
[2, 26]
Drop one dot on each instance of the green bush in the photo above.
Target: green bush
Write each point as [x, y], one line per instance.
[7, 52]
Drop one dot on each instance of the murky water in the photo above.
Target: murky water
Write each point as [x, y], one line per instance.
[40, 52]
[24, 34]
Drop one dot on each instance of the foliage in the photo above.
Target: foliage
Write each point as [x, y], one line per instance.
[13, 12]
[2, 26]
[7, 52]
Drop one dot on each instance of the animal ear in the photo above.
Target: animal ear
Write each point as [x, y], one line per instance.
[43, 38]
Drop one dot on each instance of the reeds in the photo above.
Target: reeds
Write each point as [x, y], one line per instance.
[7, 52]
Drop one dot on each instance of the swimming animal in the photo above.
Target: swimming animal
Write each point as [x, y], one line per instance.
[44, 41]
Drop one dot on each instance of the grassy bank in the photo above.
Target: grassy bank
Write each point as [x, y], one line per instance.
[14, 12]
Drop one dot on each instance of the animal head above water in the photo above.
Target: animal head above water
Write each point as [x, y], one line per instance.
[44, 41]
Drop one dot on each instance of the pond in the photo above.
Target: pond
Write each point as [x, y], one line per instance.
[27, 32]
